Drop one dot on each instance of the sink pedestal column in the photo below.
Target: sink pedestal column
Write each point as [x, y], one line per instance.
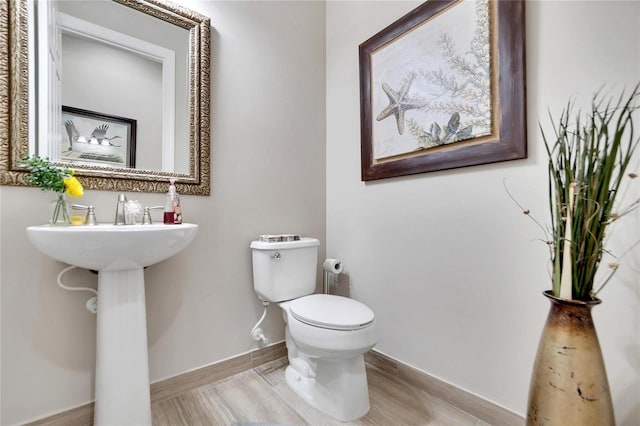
[122, 366]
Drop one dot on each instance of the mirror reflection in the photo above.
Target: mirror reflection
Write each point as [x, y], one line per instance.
[118, 62]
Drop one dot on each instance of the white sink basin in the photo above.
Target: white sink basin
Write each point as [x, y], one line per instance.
[111, 247]
[119, 253]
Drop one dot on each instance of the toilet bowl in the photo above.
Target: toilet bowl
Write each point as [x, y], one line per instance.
[326, 338]
[326, 335]
[325, 325]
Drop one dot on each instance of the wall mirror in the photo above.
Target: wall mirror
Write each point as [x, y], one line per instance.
[118, 90]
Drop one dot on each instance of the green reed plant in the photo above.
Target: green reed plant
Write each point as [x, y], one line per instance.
[588, 160]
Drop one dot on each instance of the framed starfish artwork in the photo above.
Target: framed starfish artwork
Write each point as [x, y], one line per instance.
[444, 87]
[96, 139]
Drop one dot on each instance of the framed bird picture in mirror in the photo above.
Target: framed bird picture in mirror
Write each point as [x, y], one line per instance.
[444, 87]
[90, 137]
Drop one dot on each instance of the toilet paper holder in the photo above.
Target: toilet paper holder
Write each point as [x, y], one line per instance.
[331, 269]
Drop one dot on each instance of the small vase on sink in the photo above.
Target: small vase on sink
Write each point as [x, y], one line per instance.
[59, 211]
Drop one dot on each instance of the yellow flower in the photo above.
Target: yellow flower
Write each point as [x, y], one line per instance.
[74, 187]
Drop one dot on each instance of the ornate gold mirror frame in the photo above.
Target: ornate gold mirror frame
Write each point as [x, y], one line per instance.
[14, 101]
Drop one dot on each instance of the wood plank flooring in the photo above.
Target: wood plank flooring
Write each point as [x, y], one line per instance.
[260, 396]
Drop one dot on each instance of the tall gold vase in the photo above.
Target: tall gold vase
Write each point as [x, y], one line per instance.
[569, 383]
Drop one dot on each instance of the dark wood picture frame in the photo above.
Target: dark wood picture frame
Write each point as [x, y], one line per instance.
[508, 138]
[96, 142]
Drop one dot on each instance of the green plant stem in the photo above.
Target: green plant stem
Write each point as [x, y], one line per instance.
[594, 154]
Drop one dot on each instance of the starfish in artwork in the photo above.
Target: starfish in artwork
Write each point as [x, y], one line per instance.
[399, 103]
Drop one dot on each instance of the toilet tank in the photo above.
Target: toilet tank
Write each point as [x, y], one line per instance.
[284, 270]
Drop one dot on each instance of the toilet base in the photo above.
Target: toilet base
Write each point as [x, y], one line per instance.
[336, 387]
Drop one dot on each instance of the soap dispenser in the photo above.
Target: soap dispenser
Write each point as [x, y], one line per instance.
[172, 208]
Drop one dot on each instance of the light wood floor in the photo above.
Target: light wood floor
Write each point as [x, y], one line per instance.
[261, 396]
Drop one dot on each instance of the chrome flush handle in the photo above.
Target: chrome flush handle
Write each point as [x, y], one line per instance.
[276, 255]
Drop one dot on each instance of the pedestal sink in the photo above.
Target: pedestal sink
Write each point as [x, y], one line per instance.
[119, 254]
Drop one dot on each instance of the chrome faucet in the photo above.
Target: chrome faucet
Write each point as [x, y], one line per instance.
[120, 216]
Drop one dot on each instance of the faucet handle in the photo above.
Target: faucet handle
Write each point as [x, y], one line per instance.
[146, 219]
[90, 219]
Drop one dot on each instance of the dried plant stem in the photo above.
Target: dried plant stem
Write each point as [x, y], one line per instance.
[613, 270]
[566, 279]
[526, 212]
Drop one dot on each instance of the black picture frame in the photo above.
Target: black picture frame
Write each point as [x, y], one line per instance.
[97, 138]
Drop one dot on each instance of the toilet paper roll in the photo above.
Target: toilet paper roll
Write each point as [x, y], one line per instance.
[332, 265]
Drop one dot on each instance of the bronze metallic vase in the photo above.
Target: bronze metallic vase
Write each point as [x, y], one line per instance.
[569, 383]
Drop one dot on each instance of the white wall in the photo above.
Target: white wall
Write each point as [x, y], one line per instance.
[268, 176]
[448, 263]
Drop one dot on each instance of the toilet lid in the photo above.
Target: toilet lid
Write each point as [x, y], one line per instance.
[333, 312]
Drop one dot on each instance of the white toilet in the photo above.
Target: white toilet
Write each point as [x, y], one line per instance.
[326, 335]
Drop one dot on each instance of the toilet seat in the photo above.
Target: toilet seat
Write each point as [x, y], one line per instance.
[331, 312]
